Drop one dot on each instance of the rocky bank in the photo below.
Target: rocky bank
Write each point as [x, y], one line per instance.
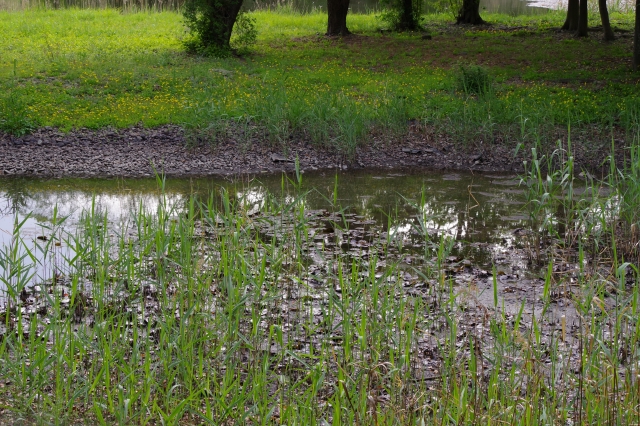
[140, 152]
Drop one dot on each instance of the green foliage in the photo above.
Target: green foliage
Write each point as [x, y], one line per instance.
[210, 23]
[396, 18]
[451, 6]
[14, 115]
[473, 79]
[245, 33]
[448, 7]
[629, 184]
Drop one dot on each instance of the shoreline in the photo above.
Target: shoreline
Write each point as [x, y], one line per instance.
[137, 152]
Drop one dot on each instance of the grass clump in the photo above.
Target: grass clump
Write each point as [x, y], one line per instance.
[15, 118]
[473, 80]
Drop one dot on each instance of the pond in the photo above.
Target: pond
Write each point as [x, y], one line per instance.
[469, 229]
[480, 212]
[428, 276]
[481, 222]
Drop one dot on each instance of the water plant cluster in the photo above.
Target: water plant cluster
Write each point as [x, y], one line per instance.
[95, 68]
[241, 310]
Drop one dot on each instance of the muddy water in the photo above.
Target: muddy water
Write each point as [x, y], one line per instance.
[483, 215]
[481, 212]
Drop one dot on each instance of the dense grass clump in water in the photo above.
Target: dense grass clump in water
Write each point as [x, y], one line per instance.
[243, 313]
[94, 68]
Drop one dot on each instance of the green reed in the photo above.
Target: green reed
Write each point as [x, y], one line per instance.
[218, 312]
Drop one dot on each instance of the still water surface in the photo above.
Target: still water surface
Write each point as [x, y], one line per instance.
[479, 211]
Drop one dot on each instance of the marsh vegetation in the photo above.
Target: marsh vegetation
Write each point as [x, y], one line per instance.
[245, 309]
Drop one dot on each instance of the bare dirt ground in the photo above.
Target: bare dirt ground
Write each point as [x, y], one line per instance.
[141, 152]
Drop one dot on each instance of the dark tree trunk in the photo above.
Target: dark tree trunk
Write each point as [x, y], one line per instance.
[606, 25]
[233, 10]
[406, 18]
[573, 12]
[583, 20]
[337, 13]
[469, 13]
[636, 39]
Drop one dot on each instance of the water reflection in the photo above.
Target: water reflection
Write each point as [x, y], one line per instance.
[470, 208]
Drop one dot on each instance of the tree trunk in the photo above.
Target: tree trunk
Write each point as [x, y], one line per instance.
[469, 13]
[636, 39]
[606, 25]
[406, 18]
[234, 9]
[583, 20]
[573, 12]
[337, 17]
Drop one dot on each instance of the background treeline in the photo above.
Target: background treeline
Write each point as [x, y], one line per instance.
[93, 4]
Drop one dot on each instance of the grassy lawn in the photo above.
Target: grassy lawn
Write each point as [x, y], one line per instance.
[96, 68]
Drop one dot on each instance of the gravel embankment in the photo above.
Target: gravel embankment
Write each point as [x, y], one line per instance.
[136, 152]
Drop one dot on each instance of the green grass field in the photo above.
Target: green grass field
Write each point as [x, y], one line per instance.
[96, 68]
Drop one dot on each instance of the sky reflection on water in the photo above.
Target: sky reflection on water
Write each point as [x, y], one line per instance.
[469, 208]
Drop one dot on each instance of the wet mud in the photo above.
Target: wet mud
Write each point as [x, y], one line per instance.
[142, 152]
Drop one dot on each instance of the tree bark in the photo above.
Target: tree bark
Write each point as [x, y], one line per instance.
[573, 13]
[234, 9]
[469, 13]
[337, 17]
[406, 18]
[606, 24]
[636, 39]
[583, 20]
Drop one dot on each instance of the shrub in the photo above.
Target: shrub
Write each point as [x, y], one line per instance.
[14, 116]
[244, 32]
[211, 22]
[402, 15]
